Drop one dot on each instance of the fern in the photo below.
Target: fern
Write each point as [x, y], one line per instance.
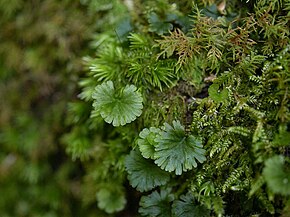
[207, 188]
[218, 205]
[239, 130]
[117, 107]
[283, 137]
[232, 179]
[143, 67]
[139, 42]
[181, 44]
[156, 74]
[88, 89]
[266, 203]
[147, 143]
[217, 95]
[218, 147]
[177, 152]
[143, 174]
[277, 175]
[187, 207]
[157, 204]
[258, 183]
[110, 199]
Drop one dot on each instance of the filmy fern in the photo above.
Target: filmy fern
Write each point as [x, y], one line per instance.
[277, 175]
[175, 151]
[218, 95]
[118, 107]
[188, 207]
[144, 174]
[157, 204]
[171, 148]
[111, 199]
[146, 141]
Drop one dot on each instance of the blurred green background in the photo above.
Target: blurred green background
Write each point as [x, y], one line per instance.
[42, 43]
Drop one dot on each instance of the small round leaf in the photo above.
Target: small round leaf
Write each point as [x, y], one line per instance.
[176, 151]
[146, 141]
[277, 175]
[144, 174]
[117, 107]
[157, 204]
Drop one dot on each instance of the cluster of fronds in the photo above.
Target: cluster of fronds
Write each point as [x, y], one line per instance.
[222, 81]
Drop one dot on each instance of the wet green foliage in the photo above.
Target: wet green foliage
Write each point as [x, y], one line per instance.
[41, 49]
[215, 74]
[184, 108]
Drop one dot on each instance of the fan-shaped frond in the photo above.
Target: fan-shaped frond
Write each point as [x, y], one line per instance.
[118, 107]
[175, 151]
[277, 175]
[146, 141]
[188, 207]
[156, 204]
[144, 174]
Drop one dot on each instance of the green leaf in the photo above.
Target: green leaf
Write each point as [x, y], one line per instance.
[211, 11]
[117, 107]
[156, 204]
[175, 151]
[187, 207]
[146, 141]
[144, 174]
[156, 24]
[217, 95]
[123, 29]
[277, 176]
[111, 199]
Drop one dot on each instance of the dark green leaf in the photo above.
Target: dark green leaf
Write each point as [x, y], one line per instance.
[111, 199]
[187, 207]
[144, 174]
[156, 204]
[123, 29]
[175, 151]
[158, 25]
[217, 95]
[277, 175]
